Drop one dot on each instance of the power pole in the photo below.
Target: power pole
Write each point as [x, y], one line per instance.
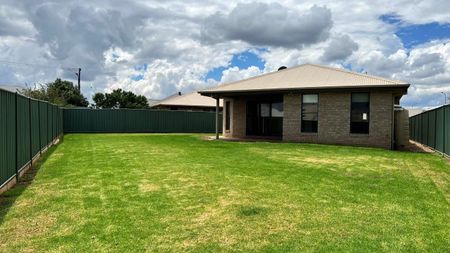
[79, 76]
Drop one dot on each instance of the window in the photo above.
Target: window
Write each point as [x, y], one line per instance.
[277, 109]
[227, 115]
[265, 110]
[360, 113]
[310, 111]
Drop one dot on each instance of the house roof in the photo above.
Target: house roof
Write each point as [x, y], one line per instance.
[306, 76]
[151, 102]
[414, 111]
[190, 99]
[12, 88]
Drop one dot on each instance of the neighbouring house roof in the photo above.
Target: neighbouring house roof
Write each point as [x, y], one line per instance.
[12, 88]
[306, 76]
[193, 99]
[414, 111]
[152, 102]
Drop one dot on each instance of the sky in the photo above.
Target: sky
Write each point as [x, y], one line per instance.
[157, 48]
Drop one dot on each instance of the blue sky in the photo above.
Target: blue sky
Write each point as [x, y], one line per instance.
[242, 60]
[415, 34]
[411, 35]
[139, 68]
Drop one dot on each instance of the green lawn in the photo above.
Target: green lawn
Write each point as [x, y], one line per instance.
[150, 192]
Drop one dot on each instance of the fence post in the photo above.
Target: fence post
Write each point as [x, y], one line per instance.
[16, 140]
[30, 131]
[217, 115]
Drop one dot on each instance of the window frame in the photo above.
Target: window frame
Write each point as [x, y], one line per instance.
[302, 130]
[368, 113]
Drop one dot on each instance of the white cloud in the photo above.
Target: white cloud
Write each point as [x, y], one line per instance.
[107, 39]
[235, 74]
[269, 25]
[340, 48]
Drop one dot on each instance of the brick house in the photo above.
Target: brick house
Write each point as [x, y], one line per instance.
[312, 103]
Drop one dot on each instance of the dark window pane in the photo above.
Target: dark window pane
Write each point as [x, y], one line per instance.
[309, 126]
[227, 115]
[265, 110]
[310, 98]
[277, 109]
[360, 108]
[360, 97]
[310, 111]
[359, 127]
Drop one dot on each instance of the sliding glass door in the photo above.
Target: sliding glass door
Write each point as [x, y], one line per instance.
[264, 118]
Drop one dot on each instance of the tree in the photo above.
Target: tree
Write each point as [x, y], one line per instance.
[120, 99]
[59, 92]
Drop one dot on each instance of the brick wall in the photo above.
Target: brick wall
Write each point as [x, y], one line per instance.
[401, 118]
[334, 120]
[292, 121]
[238, 120]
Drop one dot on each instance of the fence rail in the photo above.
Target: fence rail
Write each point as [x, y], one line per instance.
[137, 121]
[432, 128]
[27, 128]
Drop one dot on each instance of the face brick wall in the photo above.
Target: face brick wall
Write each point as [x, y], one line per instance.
[334, 120]
[238, 109]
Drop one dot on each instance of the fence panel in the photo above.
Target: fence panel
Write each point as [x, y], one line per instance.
[432, 128]
[424, 133]
[439, 134]
[35, 122]
[24, 131]
[137, 121]
[446, 132]
[431, 133]
[7, 135]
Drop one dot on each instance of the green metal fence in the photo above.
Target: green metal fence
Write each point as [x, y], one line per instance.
[138, 120]
[432, 128]
[27, 127]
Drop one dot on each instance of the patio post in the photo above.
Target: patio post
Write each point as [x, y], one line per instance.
[217, 117]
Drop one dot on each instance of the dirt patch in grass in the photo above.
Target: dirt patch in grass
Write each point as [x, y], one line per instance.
[146, 186]
[31, 227]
